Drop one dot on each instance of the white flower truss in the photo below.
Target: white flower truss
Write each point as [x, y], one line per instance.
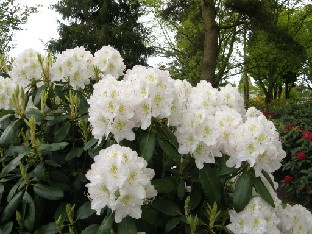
[26, 69]
[73, 66]
[120, 180]
[7, 87]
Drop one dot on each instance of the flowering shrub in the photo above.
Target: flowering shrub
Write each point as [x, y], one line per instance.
[84, 151]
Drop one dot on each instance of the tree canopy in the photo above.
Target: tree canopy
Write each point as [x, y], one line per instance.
[94, 23]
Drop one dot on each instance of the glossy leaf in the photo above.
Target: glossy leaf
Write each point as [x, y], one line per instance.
[6, 228]
[9, 135]
[48, 192]
[127, 226]
[166, 207]
[172, 223]
[211, 184]
[61, 132]
[147, 145]
[163, 185]
[85, 211]
[106, 225]
[242, 191]
[90, 143]
[74, 153]
[10, 209]
[53, 146]
[90, 229]
[12, 164]
[47, 229]
[169, 150]
[263, 191]
[29, 212]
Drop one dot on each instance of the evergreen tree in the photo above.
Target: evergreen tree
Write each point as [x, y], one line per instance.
[96, 23]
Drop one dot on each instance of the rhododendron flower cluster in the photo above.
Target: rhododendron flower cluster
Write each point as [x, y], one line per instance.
[120, 180]
[7, 88]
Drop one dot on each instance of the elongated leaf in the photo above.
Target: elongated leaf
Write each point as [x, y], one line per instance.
[106, 225]
[29, 212]
[211, 184]
[195, 197]
[90, 143]
[172, 223]
[9, 135]
[6, 228]
[90, 229]
[169, 150]
[242, 192]
[12, 164]
[83, 105]
[48, 192]
[5, 120]
[53, 146]
[61, 132]
[17, 149]
[36, 114]
[47, 229]
[163, 185]
[1, 191]
[85, 211]
[74, 153]
[167, 207]
[150, 216]
[127, 226]
[181, 188]
[11, 207]
[147, 145]
[263, 191]
[165, 132]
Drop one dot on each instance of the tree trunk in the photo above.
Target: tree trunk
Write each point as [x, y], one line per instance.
[211, 42]
[245, 75]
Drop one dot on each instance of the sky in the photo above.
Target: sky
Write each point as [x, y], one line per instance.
[39, 28]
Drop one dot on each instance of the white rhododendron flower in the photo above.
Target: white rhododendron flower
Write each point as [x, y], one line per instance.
[120, 180]
[230, 96]
[73, 66]
[7, 87]
[26, 69]
[294, 219]
[257, 142]
[258, 217]
[108, 60]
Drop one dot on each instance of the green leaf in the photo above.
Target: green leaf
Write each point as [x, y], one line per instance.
[90, 143]
[163, 185]
[74, 153]
[12, 164]
[195, 197]
[9, 135]
[53, 146]
[181, 188]
[172, 223]
[147, 145]
[17, 149]
[106, 225]
[36, 114]
[29, 212]
[11, 207]
[166, 133]
[1, 191]
[83, 105]
[211, 184]
[47, 229]
[48, 192]
[127, 226]
[85, 211]
[242, 191]
[169, 150]
[150, 216]
[166, 207]
[90, 229]
[5, 120]
[263, 191]
[61, 132]
[6, 228]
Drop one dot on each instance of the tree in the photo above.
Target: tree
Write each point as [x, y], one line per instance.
[94, 23]
[12, 16]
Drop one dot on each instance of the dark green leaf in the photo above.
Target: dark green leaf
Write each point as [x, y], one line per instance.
[61, 132]
[1, 191]
[211, 184]
[127, 226]
[150, 216]
[18, 149]
[85, 211]
[83, 105]
[195, 197]
[11, 207]
[263, 191]
[90, 143]
[147, 145]
[266, 175]
[90, 229]
[106, 225]
[12, 164]
[181, 188]
[9, 135]
[172, 223]
[53, 146]
[5, 120]
[163, 185]
[167, 207]
[166, 133]
[36, 114]
[74, 153]
[47, 229]
[48, 192]
[169, 150]
[29, 212]
[6, 228]
[242, 191]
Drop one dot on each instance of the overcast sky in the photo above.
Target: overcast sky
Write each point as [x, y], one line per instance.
[39, 29]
